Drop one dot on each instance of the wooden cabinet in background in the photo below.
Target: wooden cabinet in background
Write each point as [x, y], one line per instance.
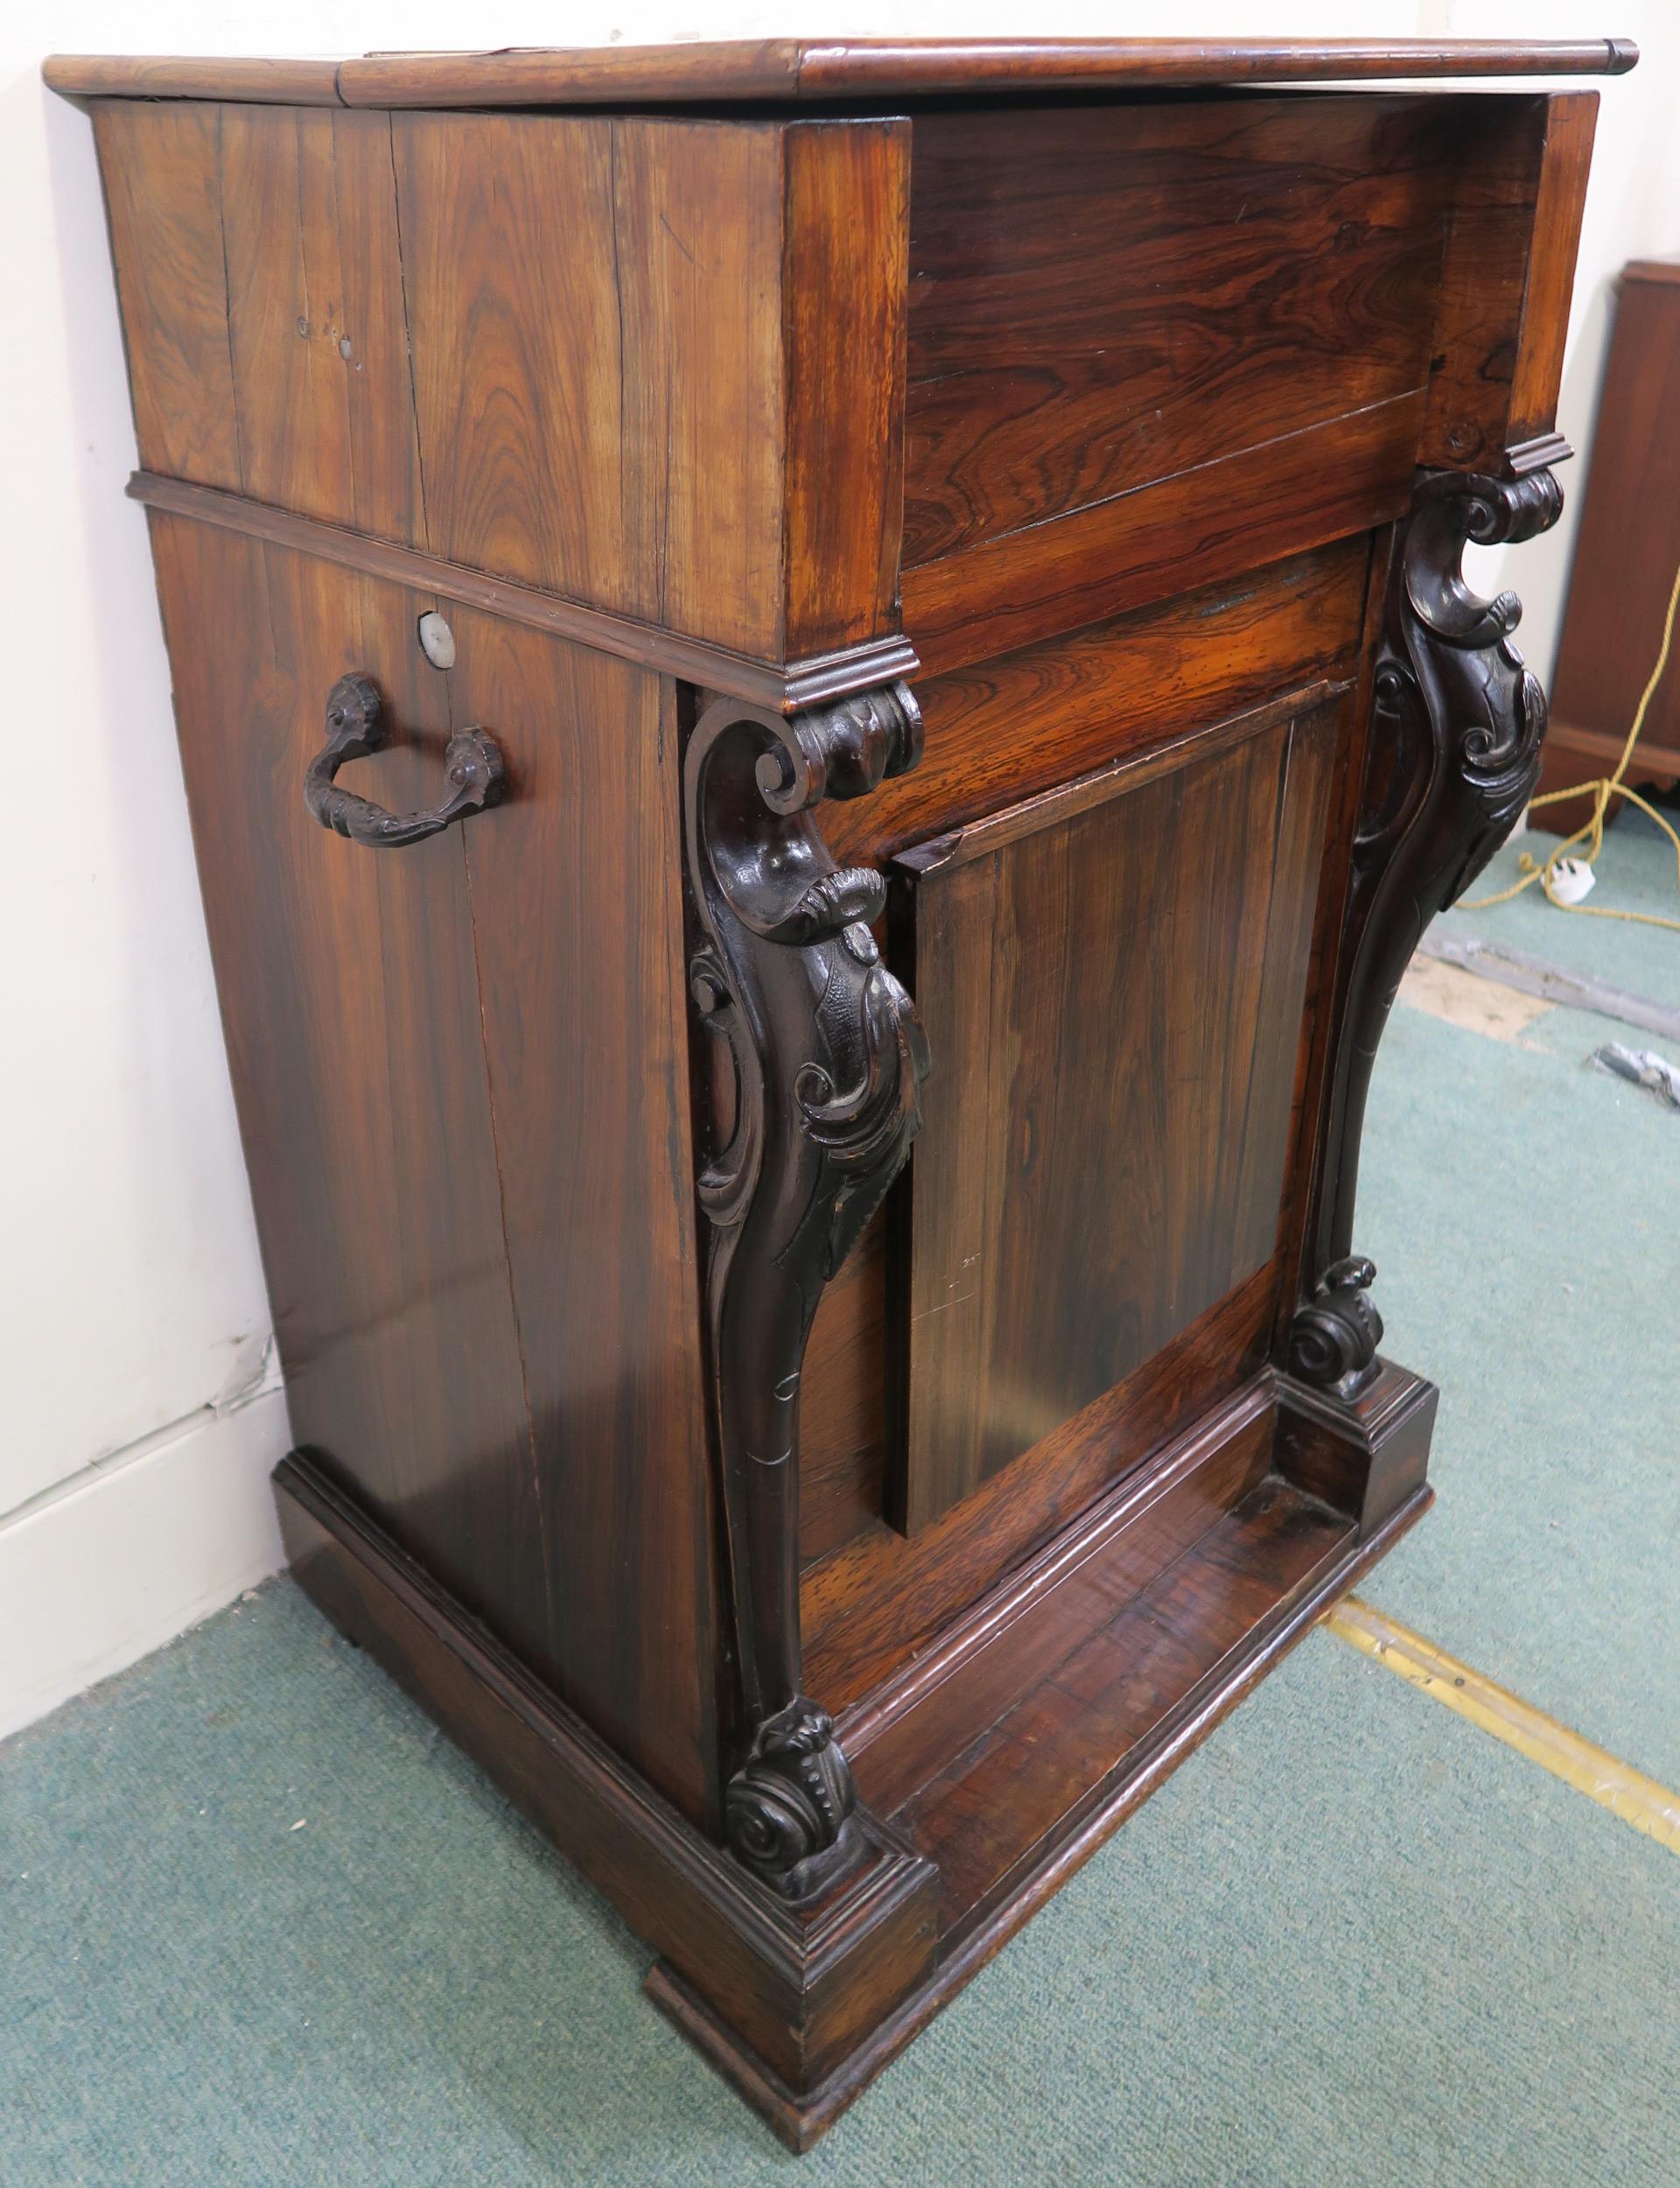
[1626, 552]
[782, 531]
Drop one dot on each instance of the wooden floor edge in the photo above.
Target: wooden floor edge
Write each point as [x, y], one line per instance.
[801, 2121]
[1605, 1779]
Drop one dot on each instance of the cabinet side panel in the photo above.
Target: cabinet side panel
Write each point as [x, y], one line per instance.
[514, 324]
[576, 903]
[595, 312]
[697, 241]
[316, 319]
[162, 172]
[260, 277]
[350, 1001]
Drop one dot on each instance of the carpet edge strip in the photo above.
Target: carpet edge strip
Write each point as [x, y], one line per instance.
[1603, 1778]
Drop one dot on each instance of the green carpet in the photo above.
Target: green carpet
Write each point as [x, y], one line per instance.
[1636, 873]
[1354, 1941]
[1521, 1210]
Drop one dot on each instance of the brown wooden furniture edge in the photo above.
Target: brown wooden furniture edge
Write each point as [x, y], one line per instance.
[974, 839]
[800, 2122]
[1607, 745]
[785, 686]
[686, 1896]
[789, 69]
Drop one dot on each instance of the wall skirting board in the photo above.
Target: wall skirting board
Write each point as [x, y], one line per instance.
[110, 1565]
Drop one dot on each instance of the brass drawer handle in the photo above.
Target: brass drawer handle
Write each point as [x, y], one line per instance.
[473, 762]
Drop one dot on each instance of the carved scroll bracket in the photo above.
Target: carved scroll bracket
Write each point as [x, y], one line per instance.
[829, 1059]
[1453, 756]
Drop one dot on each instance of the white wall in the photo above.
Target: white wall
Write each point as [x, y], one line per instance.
[137, 1423]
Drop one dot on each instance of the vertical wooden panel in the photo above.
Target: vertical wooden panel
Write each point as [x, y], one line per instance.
[316, 318]
[349, 995]
[1625, 552]
[161, 168]
[389, 492]
[1123, 984]
[845, 278]
[576, 886]
[595, 312]
[651, 363]
[276, 166]
[461, 1074]
[507, 247]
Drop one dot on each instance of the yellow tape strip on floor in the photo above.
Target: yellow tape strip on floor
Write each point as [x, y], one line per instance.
[1592, 1771]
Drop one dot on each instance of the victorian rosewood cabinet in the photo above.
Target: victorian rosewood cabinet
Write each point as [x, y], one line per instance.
[823, 688]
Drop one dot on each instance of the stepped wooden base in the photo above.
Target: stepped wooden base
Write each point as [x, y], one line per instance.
[801, 2121]
[990, 1770]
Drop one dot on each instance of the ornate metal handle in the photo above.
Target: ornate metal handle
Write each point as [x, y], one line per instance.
[473, 762]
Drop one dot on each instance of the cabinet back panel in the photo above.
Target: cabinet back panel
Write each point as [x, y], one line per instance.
[1202, 971]
[1013, 728]
[868, 1606]
[1116, 996]
[1104, 297]
[476, 1230]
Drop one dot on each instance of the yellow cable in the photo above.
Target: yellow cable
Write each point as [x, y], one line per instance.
[1604, 788]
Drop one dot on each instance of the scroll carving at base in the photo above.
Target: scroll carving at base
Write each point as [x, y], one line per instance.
[1333, 1339]
[1453, 757]
[829, 1059]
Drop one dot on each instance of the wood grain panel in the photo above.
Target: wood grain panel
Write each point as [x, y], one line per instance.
[699, 233]
[844, 1414]
[482, 1274]
[161, 169]
[507, 241]
[1572, 121]
[634, 384]
[350, 999]
[1513, 225]
[1104, 297]
[950, 1697]
[651, 364]
[1091, 1179]
[1118, 1686]
[1008, 728]
[575, 888]
[1011, 729]
[315, 315]
[845, 278]
[870, 1606]
[1201, 526]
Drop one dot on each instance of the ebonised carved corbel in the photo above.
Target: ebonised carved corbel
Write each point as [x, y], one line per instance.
[1453, 758]
[828, 1058]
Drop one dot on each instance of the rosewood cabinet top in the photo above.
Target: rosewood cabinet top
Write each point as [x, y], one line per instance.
[776, 71]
